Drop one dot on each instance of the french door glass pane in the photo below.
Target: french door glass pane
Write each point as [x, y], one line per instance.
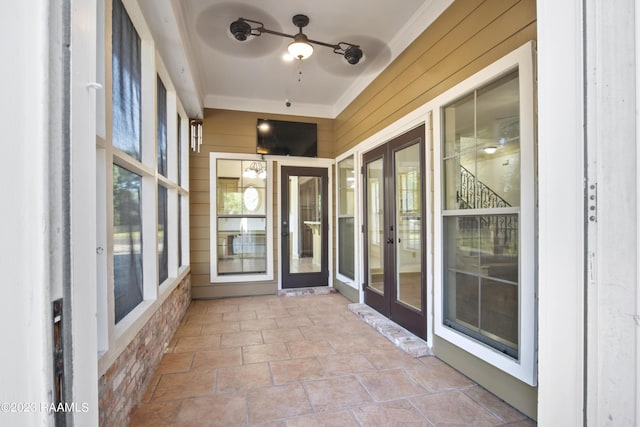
[127, 241]
[375, 225]
[408, 215]
[305, 224]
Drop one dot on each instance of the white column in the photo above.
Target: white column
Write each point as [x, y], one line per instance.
[560, 213]
[25, 310]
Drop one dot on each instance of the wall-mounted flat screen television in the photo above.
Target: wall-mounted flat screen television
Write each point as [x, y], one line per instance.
[282, 138]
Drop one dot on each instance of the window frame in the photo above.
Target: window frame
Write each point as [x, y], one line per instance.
[215, 277]
[524, 367]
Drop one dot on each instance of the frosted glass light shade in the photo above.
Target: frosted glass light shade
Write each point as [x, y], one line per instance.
[300, 48]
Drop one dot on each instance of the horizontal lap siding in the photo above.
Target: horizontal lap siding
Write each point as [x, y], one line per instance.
[467, 37]
[232, 132]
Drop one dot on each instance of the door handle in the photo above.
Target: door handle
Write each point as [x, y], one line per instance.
[390, 240]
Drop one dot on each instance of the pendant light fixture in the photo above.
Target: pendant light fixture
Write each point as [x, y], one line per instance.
[301, 47]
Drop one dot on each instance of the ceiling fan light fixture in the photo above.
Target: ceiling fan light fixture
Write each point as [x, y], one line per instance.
[240, 30]
[300, 47]
[353, 54]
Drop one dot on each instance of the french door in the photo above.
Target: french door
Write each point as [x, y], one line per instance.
[394, 230]
[304, 227]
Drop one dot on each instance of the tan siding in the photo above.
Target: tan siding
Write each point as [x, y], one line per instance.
[232, 132]
[467, 37]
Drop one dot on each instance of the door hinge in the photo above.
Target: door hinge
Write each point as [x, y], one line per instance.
[592, 202]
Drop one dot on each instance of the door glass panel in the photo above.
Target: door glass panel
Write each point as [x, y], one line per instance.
[305, 224]
[408, 214]
[375, 225]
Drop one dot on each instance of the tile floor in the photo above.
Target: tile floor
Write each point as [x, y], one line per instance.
[304, 361]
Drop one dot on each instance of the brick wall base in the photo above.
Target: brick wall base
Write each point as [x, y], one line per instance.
[122, 387]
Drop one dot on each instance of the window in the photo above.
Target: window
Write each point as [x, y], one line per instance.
[241, 206]
[161, 94]
[126, 72]
[346, 208]
[481, 176]
[163, 231]
[143, 212]
[127, 185]
[127, 241]
[485, 240]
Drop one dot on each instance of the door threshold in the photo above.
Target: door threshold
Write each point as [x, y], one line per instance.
[305, 292]
[402, 338]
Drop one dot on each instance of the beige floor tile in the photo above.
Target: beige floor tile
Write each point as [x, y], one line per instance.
[238, 315]
[223, 308]
[524, 423]
[222, 411]
[175, 362]
[275, 403]
[309, 348]
[185, 384]
[293, 321]
[282, 335]
[151, 388]
[350, 343]
[202, 318]
[264, 353]
[390, 359]
[155, 414]
[188, 330]
[203, 342]
[221, 358]
[331, 419]
[314, 332]
[288, 371]
[390, 385]
[257, 325]
[274, 313]
[498, 407]
[344, 363]
[254, 306]
[397, 413]
[336, 393]
[238, 339]
[263, 361]
[243, 377]
[454, 408]
[435, 375]
[220, 328]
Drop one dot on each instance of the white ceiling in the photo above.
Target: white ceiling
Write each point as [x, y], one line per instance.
[211, 69]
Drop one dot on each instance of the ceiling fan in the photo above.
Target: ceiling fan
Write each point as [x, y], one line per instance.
[301, 47]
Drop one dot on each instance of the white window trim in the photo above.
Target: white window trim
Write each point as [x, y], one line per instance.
[213, 216]
[525, 368]
[356, 227]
